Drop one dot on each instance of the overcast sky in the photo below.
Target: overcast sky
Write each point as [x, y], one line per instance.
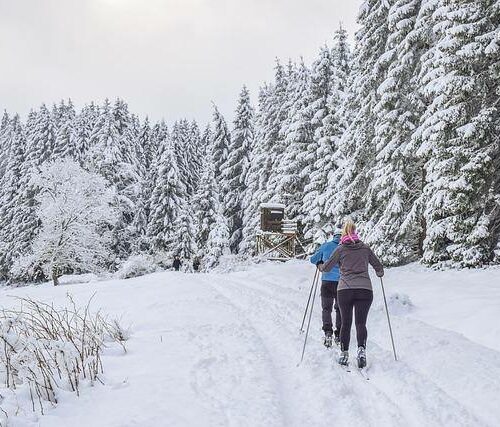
[166, 58]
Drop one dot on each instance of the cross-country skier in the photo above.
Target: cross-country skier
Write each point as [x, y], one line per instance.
[355, 288]
[329, 283]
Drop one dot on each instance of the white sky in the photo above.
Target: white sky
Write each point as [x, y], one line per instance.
[166, 58]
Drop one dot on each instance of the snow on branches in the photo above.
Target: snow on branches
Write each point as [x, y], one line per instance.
[76, 212]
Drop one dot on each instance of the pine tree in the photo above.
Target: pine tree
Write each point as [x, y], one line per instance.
[298, 136]
[5, 141]
[458, 141]
[16, 226]
[65, 144]
[356, 151]
[182, 147]
[41, 136]
[168, 201]
[274, 120]
[257, 177]
[113, 155]
[84, 124]
[206, 206]
[236, 168]
[395, 175]
[218, 241]
[319, 148]
[321, 189]
[221, 140]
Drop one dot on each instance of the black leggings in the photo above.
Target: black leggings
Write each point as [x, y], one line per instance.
[360, 300]
[328, 297]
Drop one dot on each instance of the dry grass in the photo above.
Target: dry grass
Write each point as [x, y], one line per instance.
[48, 349]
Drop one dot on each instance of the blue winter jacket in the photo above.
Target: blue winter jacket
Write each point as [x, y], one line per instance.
[323, 254]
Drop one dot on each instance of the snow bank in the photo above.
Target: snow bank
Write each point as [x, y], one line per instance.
[137, 265]
[226, 346]
[397, 303]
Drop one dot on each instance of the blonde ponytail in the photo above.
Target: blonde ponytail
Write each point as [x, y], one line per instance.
[349, 228]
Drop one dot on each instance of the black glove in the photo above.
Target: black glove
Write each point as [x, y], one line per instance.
[319, 263]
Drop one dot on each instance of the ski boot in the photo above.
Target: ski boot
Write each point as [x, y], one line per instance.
[361, 357]
[327, 341]
[336, 338]
[344, 358]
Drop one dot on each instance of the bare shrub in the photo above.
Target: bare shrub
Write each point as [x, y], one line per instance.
[48, 349]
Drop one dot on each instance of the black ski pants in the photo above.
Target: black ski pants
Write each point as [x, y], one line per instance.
[360, 300]
[328, 302]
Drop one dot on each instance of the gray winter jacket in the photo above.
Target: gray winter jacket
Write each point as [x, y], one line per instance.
[353, 259]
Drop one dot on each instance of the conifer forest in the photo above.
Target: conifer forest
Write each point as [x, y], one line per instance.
[399, 130]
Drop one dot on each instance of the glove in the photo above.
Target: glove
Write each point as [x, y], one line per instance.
[380, 273]
[319, 263]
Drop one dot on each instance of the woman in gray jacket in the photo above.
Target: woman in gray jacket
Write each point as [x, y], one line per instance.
[355, 288]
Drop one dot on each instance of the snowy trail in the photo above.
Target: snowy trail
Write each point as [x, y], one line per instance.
[222, 350]
[396, 394]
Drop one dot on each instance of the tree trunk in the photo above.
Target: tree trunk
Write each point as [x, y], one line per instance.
[55, 275]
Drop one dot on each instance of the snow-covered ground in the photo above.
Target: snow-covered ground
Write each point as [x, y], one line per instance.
[222, 350]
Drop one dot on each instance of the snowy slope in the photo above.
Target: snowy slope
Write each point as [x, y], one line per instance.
[222, 350]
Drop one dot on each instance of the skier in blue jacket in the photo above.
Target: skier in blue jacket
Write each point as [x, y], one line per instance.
[329, 283]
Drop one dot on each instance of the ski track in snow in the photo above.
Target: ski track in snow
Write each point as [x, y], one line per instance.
[404, 396]
[222, 350]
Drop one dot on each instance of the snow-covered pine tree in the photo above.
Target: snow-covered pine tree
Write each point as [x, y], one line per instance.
[206, 206]
[5, 141]
[41, 137]
[356, 151]
[258, 173]
[320, 92]
[145, 142]
[185, 239]
[64, 144]
[274, 119]
[113, 155]
[196, 152]
[395, 177]
[298, 136]
[219, 146]
[490, 48]
[329, 134]
[180, 139]
[205, 142]
[168, 201]
[16, 206]
[74, 208]
[159, 140]
[84, 123]
[218, 241]
[236, 167]
[458, 141]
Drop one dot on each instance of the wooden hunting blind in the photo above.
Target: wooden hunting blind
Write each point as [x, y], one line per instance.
[278, 237]
[271, 217]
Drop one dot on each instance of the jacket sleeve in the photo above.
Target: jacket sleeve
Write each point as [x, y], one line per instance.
[376, 264]
[332, 261]
[318, 256]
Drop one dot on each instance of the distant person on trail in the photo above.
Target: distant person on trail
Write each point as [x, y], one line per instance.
[177, 263]
[329, 283]
[196, 264]
[355, 288]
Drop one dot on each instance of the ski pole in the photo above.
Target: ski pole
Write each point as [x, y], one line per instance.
[308, 300]
[388, 320]
[309, 321]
